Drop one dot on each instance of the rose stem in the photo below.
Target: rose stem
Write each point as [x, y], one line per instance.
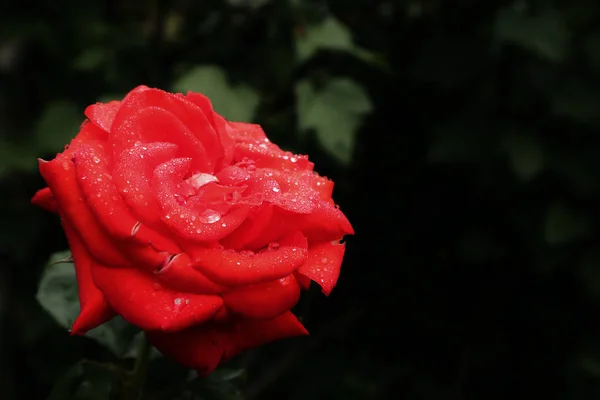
[140, 369]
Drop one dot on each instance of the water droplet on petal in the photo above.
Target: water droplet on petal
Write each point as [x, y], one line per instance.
[276, 189]
[210, 216]
[324, 260]
[96, 160]
[251, 168]
[177, 301]
[247, 253]
[273, 246]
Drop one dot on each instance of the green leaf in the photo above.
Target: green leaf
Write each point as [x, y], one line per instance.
[331, 35]
[57, 292]
[58, 295]
[335, 113]
[563, 225]
[525, 154]
[58, 124]
[235, 103]
[544, 34]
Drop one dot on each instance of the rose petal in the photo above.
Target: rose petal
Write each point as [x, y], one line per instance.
[154, 124]
[178, 274]
[110, 209]
[251, 142]
[45, 199]
[200, 348]
[325, 223]
[188, 222]
[204, 347]
[219, 124]
[185, 112]
[103, 114]
[132, 175]
[94, 310]
[255, 223]
[142, 300]
[264, 300]
[62, 181]
[323, 264]
[244, 268]
[256, 332]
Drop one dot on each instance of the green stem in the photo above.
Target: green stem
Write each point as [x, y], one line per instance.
[138, 375]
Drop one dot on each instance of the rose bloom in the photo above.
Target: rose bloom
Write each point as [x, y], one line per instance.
[199, 231]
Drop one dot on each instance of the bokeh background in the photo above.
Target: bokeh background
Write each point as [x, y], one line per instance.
[464, 140]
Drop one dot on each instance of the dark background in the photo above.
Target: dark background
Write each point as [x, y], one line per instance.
[464, 140]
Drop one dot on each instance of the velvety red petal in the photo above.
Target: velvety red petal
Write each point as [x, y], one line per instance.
[323, 264]
[256, 332]
[325, 223]
[110, 209]
[103, 114]
[132, 174]
[264, 300]
[303, 281]
[251, 142]
[178, 273]
[153, 124]
[188, 114]
[200, 348]
[220, 125]
[255, 223]
[233, 268]
[142, 300]
[62, 181]
[94, 310]
[188, 222]
[45, 199]
[205, 347]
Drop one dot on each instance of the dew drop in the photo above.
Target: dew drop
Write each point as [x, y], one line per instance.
[324, 260]
[177, 301]
[96, 160]
[247, 253]
[251, 168]
[187, 301]
[157, 286]
[210, 216]
[273, 246]
[276, 189]
[168, 217]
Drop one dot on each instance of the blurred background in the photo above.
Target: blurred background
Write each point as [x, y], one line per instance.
[464, 140]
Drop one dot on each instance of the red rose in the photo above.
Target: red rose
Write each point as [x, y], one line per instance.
[197, 230]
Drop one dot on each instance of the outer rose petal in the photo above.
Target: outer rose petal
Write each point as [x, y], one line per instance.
[177, 273]
[252, 143]
[45, 199]
[264, 300]
[245, 268]
[141, 300]
[323, 264]
[102, 115]
[60, 177]
[204, 347]
[110, 210]
[94, 310]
